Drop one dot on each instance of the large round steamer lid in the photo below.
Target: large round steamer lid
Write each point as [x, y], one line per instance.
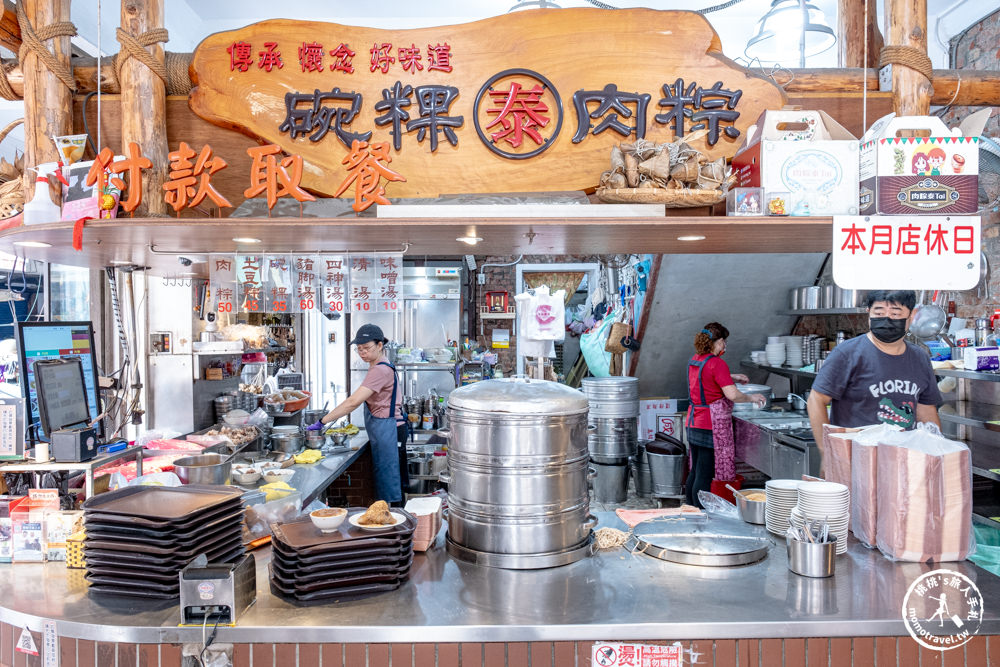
[523, 396]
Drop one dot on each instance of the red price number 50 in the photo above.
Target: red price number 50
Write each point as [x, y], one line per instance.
[226, 307]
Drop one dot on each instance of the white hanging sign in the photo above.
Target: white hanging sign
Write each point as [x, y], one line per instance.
[388, 283]
[334, 282]
[364, 283]
[223, 283]
[918, 252]
[304, 294]
[50, 644]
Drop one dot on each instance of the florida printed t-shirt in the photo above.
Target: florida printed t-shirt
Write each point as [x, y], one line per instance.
[869, 386]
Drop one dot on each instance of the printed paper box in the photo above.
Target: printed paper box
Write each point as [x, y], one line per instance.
[59, 525]
[658, 415]
[806, 154]
[28, 524]
[936, 174]
[7, 505]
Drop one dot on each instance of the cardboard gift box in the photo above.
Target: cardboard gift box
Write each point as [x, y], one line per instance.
[28, 524]
[659, 415]
[936, 174]
[7, 505]
[806, 154]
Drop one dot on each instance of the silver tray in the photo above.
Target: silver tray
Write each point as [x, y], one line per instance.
[522, 561]
[703, 541]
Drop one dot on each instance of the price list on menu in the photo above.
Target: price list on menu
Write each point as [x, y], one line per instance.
[250, 274]
[388, 282]
[364, 283]
[223, 285]
[304, 278]
[277, 283]
[334, 282]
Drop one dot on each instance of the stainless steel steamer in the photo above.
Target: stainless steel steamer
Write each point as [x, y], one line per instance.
[517, 459]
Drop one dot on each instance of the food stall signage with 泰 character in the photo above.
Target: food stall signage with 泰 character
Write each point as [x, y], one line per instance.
[454, 108]
[906, 252]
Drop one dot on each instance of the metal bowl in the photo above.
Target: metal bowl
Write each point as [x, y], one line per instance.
[338, 439]
[315, 440]
[204, 469]
[290, 443]
[751, 511]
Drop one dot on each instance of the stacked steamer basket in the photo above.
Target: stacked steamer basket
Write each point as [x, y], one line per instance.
[312, 567]
[613, 434]
[824, 501]
[782, 496]
[139, 538]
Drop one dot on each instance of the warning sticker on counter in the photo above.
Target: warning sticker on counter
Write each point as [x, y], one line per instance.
[617, 654]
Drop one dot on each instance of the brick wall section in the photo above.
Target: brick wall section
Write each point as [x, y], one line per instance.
[792, 652]
[355, 487]
[503, 279]
[978, 48]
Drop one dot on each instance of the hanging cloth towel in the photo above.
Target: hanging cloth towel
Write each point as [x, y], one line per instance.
[722, 437]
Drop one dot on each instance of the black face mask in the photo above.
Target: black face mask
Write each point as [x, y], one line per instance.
[887, 329]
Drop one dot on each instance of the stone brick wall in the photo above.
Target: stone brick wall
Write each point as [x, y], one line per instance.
[978, 48]
[356, 486]
[503, 279]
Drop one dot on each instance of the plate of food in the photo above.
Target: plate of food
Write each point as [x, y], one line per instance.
[377, 517]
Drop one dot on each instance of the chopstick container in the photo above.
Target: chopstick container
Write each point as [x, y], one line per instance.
[812, 559]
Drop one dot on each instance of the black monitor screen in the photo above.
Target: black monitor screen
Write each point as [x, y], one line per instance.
[37, 341]
[62, 394]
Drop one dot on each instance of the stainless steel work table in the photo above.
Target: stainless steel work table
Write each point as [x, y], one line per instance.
[613, 595]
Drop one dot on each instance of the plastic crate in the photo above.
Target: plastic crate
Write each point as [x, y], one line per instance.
[290, 381]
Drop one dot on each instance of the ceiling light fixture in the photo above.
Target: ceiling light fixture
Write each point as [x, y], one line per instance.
[691, 237]
[786, 19]
[246, 239]
[33, 244]
[470, 240]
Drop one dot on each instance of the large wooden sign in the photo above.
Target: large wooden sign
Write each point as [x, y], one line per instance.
[528, 101]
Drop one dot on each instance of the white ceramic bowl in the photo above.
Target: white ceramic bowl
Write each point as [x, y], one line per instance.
[272, 476]
[328, 524]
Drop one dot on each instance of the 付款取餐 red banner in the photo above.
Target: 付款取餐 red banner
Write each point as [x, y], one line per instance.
[527, 101]
[906, 252]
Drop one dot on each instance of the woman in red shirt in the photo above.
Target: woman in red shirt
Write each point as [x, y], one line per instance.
[709, 380]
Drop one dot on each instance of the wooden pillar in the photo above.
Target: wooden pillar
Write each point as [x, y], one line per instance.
[906, 22]
[852, 30]
[47, 101]
[143, 104]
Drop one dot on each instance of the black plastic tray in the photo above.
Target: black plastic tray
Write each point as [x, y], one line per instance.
[162, 503]
[305, 565]
[301, 578]
[191, 549]
[134, 583]
[362, 550]
[161, 525]
[302, 536]
[179, 540]
[154, 560]
[347, 594]
[164, 576]
[93, 523]
[100, 590]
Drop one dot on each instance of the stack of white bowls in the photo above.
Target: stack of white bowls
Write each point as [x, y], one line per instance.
[774, 351]
[793, 351]
[759, 356]
[824, 501]
[782, 496]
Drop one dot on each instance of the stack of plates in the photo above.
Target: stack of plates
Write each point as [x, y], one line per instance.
[759, 356]
[139, 538]
[793, 351]
[825, 501]
[775, 353]
[309, 566]
[782, 495]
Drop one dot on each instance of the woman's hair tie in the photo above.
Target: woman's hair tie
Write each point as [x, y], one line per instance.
[710, 336]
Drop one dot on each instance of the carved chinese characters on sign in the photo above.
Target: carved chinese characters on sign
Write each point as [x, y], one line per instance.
[366, 167]
[131, 165]
[272, 177]
[453, 112]
[189, 182]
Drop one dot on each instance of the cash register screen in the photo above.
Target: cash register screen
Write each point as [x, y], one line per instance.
[62, 394]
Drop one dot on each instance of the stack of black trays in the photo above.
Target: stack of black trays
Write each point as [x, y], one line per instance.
[312, 567]
[139, 538]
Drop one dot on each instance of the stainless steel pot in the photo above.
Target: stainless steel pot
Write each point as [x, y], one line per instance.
[763, 389]
[507, 534]
[793, 298]
[315, 440]
[312, 416]
[798, 402]
[204, 469]
[612, 397]
[814, 296]
[290, 443]
[827, 298]
[517, 478]
[610, 483]
[530, 487]
[851, 298]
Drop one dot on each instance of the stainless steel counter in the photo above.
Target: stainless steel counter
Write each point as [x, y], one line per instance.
[613, 595]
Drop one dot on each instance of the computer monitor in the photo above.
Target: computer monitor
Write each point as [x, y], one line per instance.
[62, 394]
[37, 341]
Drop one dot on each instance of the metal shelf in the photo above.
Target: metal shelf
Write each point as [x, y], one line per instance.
[427, 366]
[825, 311]
[967, 375]
[87, 467]
[968, 413]
[497, 316]
[778, 370]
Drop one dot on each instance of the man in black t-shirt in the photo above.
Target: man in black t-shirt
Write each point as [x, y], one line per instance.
[878, 377]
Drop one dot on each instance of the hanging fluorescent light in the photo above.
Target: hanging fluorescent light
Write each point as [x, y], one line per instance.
[785, 20]
[33, 244]
[470, 240]
[533, 4]
[246, 239]
[691, 237]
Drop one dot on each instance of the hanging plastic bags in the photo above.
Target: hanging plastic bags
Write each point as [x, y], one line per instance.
[592, 346]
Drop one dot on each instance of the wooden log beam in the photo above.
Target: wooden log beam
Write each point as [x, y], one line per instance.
[10, 31]
[47, 102]
[907, 26]
[143, 100]
[973, 88]
[852, 31]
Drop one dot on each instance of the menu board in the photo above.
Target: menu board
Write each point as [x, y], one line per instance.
[388, 284]
[277, 283]
[334, 281]
[364, 283]
[304, 284]
[223, 284]
[249, 273]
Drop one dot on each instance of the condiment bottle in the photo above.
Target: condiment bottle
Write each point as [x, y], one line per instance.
[981, 328]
